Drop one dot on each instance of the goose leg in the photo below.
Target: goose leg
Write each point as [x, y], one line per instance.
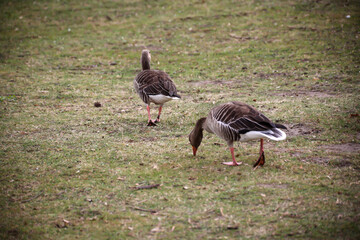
[233, 163]
[150, 122]
[261, 160]
[158, 117]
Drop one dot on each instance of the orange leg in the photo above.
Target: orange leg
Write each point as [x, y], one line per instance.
[150, 122]
[233, 163]
[261, 160]
[158, 117]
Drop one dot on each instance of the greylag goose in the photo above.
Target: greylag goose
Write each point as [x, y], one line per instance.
[237, 121]
[154, 86]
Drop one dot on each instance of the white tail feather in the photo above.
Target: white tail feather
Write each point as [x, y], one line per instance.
[161, 99]
[273, 134]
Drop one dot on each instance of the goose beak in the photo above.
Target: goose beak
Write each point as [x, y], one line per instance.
[194, 150]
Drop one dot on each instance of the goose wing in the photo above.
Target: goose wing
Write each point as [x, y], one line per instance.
[153, 82]
[242, 118]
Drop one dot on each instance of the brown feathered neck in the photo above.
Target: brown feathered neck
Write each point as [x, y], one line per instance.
[196, 134]
[145, 59]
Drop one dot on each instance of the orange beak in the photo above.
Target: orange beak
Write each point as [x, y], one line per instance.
[194, 150]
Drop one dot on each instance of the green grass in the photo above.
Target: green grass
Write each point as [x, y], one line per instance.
[68, 170]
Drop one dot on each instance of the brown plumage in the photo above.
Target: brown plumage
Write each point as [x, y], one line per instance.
[237, 121]
[154, 86]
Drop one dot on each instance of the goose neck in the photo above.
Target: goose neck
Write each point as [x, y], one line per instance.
[145, 60]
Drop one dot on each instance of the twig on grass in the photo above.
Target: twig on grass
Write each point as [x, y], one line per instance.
[30, 199]
[146, 186]
[144, 210]
[316, 139]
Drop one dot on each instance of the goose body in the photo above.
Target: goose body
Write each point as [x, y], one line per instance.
[237, 121]
[154, 86]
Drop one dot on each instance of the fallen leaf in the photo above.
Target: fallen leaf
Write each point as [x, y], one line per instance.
[222, 213]
[156, 229]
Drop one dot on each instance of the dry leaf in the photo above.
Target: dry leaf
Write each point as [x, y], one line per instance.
[156, 229]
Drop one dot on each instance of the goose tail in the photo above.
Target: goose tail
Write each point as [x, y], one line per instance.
[176, 96]
[275, 134]
[272, 134]
[280, 126]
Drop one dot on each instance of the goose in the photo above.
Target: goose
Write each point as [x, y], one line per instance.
[237, 121]
[154, 86]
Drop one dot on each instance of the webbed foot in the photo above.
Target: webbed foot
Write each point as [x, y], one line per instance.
[260, 161]
[151, 123]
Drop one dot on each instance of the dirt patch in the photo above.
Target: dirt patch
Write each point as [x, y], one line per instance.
[304, 157]
[326, 160]
[318, 160]
[316, 94]
[343, 163]
[300, 129]
[329, 160]
[343, 148]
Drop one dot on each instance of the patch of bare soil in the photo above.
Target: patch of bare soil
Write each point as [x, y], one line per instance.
[300, 129]
[326, 160]
[344, 163]
[343, 148]
[318, 160]
[302, 155]
[316, 94]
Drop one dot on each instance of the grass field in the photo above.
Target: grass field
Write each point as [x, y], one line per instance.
[69, 170]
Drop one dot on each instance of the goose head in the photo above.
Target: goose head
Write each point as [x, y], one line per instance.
[145, 59]
[196, 135]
